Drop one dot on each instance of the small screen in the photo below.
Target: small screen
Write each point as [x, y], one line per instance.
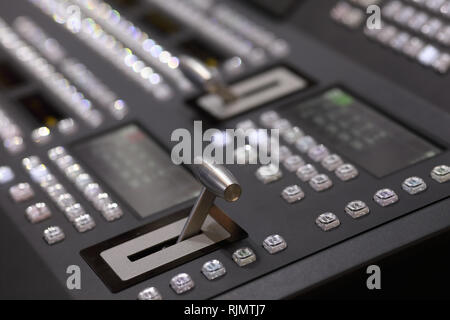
[138, 170]
[360, 133]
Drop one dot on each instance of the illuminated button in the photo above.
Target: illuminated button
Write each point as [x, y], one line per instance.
[101, 201]
[385, 197]
[268, 118]
[292, 194]
[269, 173]
[74, 211]
[213, 269]
[92, 190]
[31, 162]
[53, 235]
[318, 153]
[82, 181]
[305, 143]
[67, 126]
[84, 223]
[41, 135]
[274, 243]
[306, 172]
[182, 283]
[357, 209]
[38, 212]
[414, 185]
[6, 175]
[73, 171]
[244, 256]
[112, 211]
[428, 55]
[246, 125]
[56, 153]
[292, 135]
[39, 173]
[331, 162]
[441, 173]
[327, 221]
[149, 294]
[320, 182]
[292, 163]
[55, 191]
[346, 172]
[283, 125]
[399, 40]
[47, 181]
[64, 162]
[14, 144]
[21, 192]
[65, 200]
[283, 153]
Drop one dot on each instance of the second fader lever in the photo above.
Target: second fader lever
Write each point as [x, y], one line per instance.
[217, 182]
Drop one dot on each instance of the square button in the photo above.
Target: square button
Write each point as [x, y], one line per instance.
[320, 182]
[292, 135]
[269, 173]
[149, 294]
[441, 173]
[305, 143]
[274, 243]
[38, 212]
[244, 256]
[318, 153]
[53, 235]
[385, 197]
[346, 172]
[84, 223]
[306, 172]
[74, 211]
[213, 269]
[21, 192]
[112, 211]
[414, 185]
[6, 175]
[182, 283]
[327, 221]
[292, 193]
[332, 162]
[292, 163]
[357, 209]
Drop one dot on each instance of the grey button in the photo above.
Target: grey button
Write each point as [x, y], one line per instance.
[385, 197]
[53, 235]
[306, 172]
[414, 185]
[84, 223]
[150, 293]
[213, 269]
[21, 192]
[327, 221]
[332, 162]
[244, 256]
[320, 182]
[38, 212]
[292, 194]
[274, 244]
[318, 153]
[346, 172]
[441, 173]
[292, 163]
[182, 283]
[357, 208]
[112, 211]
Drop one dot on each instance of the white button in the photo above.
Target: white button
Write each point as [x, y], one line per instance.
[53, 235]
[332, 162]
[274, 244]
[292, 163]
[428, 55]
[65, 200]
[56, 153]
[306, 172]
[414, 185]
[441, 173]
[269, 173]
[38, 212]
[346, 172]
[67, 126]
[318, 153]
[244, 256]
[41, 135]
[182, 283]
[6, 175]
[292, 194]
[84, 223]
[320, 182]
[327, 221]
[357, 209]
[74, 211]
[213, 269]
[305, 143]
[112, 211]
[21, 192]
[149, 294]
[385, 197]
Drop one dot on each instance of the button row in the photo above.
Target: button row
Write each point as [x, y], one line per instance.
[215, 269]
[65, 201]
[79, 73]
[29, 58]
[93, 35]
[10, 133]
[92, 191]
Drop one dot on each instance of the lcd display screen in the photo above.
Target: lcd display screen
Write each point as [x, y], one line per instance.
[138, 170]
[359, 132]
